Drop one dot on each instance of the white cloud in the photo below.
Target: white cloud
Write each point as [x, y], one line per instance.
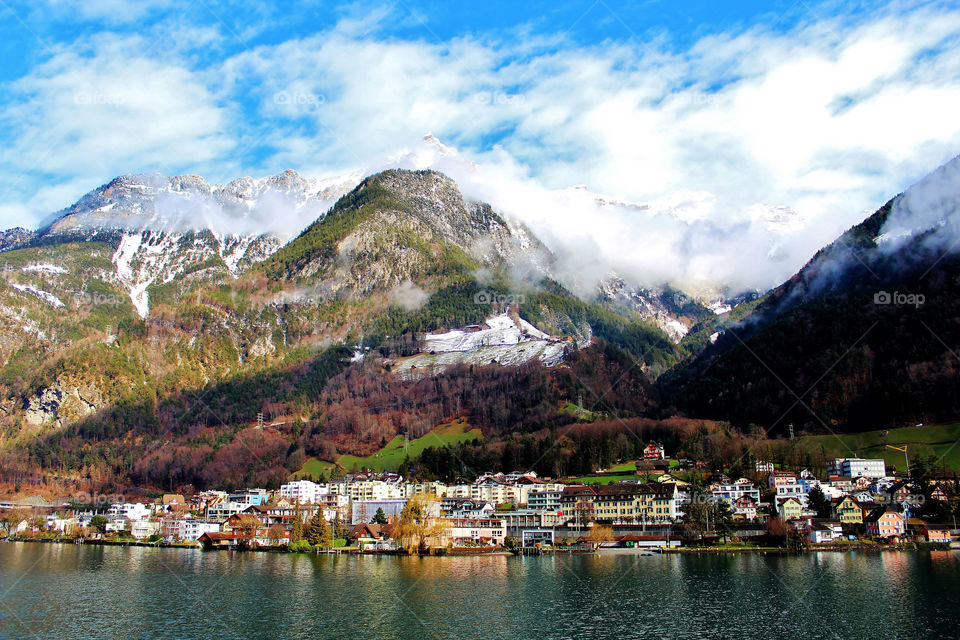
[824, 122]
[752, 149]
[88, 114]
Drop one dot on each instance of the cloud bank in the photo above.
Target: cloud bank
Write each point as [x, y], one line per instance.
[731, 159]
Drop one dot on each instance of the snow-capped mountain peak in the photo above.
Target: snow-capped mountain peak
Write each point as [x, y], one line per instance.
[280, 205]
[163, 227]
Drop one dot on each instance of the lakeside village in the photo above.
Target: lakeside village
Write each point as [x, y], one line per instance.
[856, 505]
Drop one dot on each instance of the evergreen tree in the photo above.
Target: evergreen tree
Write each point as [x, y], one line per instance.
[819, 502]
[339, 530]
[326, 535]
[98, 523]
[319, 534]
[379, 517]
[723, 518]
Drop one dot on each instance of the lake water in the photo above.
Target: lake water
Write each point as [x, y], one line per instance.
[68, 591]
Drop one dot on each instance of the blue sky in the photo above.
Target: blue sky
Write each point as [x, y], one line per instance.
[821, 109]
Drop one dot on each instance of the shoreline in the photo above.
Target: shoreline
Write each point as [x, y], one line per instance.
[468, 552]
[449, 553]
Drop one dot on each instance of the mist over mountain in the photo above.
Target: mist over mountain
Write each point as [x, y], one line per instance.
[691, 242]
[862, 337]
[280, 205]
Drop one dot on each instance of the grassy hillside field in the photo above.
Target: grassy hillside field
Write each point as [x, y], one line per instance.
[941, 441]
[392, 455]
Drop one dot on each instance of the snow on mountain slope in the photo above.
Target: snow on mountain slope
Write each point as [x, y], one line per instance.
[649, 304]
[502, 339]
[44, 268]
[145, 257]
[719, 307]
[164, 227]
[43, 295]
[498, 330]
[279, 205]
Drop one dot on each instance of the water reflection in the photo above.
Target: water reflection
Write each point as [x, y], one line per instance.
[79, 592]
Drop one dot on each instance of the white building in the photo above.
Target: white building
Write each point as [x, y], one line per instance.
[358, 490]
[545, 500]
[499, 493]
[853, 467]
[763, 466]
[465, 508]
[129, 510]
[477, 531]
[117, 525]
[824, 531]
[174, 528]
[304, 492]
[438, 489]
[792, 490]
[63, 525]
[224, 510]
[732, 492]
[143, 529]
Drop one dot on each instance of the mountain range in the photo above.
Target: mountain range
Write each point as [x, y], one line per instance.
[151, 328]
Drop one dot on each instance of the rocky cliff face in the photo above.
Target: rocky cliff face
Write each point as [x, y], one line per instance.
[62, 403]
[399, 226]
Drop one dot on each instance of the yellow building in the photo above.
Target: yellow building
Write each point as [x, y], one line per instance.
[849, 511]
[625, 503]
[789, 508]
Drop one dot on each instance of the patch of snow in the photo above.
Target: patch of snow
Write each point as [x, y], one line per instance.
[501, 322]
[674, 328]
[501, 340]
[232, 250]
[146, 257]
[501, 331]
[45, 268]
[140, 298]
[714, 336]
[129, 244]
[43, 295]
[893, 238]
[719, 307]
[129, 248]
[532, 330]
